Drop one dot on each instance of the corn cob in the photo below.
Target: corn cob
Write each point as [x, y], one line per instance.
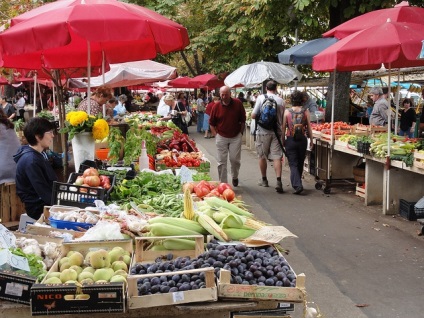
[188, 205]
[158, 248]
[184, 223]
[179, 244]
[158, 229]
[218, 203]
[238, 234]
[210, 225]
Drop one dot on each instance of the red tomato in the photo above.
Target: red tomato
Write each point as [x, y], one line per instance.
[223, 186]
[229, 195]
[201, 191]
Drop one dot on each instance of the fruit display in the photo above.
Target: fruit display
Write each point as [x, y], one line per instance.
[96, 266]
[248, 266]
[338, 125]
[211, 189]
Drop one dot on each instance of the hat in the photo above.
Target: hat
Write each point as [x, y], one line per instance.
[376, 91]
[169, 97]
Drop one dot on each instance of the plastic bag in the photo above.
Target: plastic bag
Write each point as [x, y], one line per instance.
[103, 230]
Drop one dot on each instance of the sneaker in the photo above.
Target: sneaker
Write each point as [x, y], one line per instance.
[263, 183]
[298, 190]
[235, 182]
[279, 187]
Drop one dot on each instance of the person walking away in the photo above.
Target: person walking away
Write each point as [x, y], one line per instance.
[208, 111]
[200, 112]
[227, 123]
[8, 109]
[34, 173]
[296, 122]
[268, 139]
[407, 119]
[9, 145]
[20, 106]
[378, 115]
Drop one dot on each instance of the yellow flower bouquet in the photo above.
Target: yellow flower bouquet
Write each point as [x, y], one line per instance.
[79, 121]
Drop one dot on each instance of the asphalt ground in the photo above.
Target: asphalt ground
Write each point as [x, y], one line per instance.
[358, 262]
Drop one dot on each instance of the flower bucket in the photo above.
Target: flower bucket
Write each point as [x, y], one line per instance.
[83, 148]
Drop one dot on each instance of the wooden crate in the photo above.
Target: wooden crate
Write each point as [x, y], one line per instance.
[226, 290]
[143, 255]
[360, 191]
[11, 205]
[418, 160]
[166, 299]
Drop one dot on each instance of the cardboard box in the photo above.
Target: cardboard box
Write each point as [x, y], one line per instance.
[15, 287]
[418, 160]
[255, 292]
[47, 299]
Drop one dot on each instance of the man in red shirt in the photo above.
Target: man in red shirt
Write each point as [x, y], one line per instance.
[227, 123]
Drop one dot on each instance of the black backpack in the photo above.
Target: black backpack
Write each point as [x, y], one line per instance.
[267, 118]
[298, 127]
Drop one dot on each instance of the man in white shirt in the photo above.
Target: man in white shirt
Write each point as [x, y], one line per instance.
[163, 109]
[20, 106]
[268, 145]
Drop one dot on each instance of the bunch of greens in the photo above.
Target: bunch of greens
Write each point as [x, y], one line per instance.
[145, 185]
[35, 263]
[46, 114]
[199, 176]
[134, 138]
[115, 141]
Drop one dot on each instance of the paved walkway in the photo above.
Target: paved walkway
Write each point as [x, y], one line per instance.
[358, 262]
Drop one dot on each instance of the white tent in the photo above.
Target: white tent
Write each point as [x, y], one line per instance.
[133, 73]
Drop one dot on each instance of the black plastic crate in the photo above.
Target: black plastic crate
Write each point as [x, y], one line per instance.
[363, 147]
[407, 210]
[419, 213]
[79, 196]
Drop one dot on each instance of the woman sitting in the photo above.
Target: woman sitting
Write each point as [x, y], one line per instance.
[34, 173]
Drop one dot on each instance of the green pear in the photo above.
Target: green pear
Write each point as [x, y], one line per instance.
[119, 265]
[87, 281]
[53, 280]
[76, 259]
[87, 258]
[89, 269]
[127, 259]
[63, 260]
[84, 275]
[118, 279]
[121, 272]
[103, 274]
[116, 254]
[52, 274]
[76, 268]
[100, 259]
[70, 253]
[65, 265]
[68, 274]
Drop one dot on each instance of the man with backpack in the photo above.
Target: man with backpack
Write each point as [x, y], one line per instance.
[268, 115]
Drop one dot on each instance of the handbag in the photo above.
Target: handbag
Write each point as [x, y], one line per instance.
[187, 117]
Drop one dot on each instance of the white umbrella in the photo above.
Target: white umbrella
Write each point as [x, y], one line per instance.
[254, 74]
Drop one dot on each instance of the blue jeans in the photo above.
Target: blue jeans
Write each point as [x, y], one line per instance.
[296, 153]
[408, 133]
[200, 117]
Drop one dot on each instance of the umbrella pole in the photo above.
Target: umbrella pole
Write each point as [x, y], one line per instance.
[397, 106]
[386, 195]
[35, 95]
[89, 78]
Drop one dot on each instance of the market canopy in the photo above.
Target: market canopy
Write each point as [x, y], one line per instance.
[255, 74]
[209, 81]
[181, 82]
[303, 53]
[134, 73]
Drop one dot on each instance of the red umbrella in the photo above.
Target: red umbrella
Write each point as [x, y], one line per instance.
[395, 44]
[104, 24]
[210, 81]
[181, 82]
[81, 33]
[400, 13]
